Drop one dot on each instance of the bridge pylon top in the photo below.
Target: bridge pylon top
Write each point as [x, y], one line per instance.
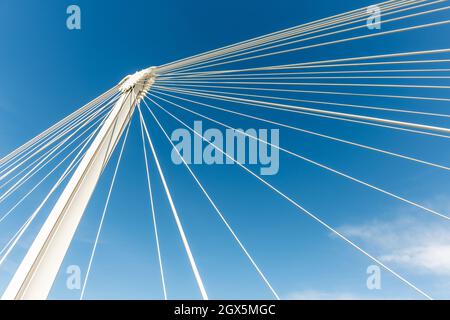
[140, 81]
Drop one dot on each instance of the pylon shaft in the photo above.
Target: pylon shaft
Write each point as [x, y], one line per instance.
[37, 271]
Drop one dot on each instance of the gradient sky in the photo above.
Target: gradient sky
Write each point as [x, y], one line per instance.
[48, 71]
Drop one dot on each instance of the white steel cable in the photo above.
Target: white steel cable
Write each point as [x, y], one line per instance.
[411, 77]
[32, 149]
[83, 143]
[322, 63]
[287, 74]
[306, 84]
[295, 33]
[320, 221]
[37, 168]
[175, 214]
[152, 207]
[46, 160]
[53, 149]
[427, 25]
[339, 114]
[42, 164]
[312, 38]
[336, 118]
[313, 133]
[24, 228]
[232, 48]
[320, 35]
[309, 101]
[16, 235]
[35, 213]
[75, 125]
[310, 65]
[80, 120]
[391, 96]
[105, 209]
[252, 261]
[55, 135]
[318, 164]
[104, 96]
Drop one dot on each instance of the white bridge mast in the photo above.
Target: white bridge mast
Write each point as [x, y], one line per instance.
[37, 271]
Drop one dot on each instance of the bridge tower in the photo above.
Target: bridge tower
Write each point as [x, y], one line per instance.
[38, 270]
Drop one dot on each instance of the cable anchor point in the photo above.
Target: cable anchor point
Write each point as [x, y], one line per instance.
[140, 82]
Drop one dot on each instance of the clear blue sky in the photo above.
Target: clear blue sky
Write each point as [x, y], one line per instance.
[48, 71]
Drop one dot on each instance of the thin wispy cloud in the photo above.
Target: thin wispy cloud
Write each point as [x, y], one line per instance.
[422, 246]
[432, 258]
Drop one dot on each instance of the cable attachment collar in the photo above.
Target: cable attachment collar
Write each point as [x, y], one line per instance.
[140, 82]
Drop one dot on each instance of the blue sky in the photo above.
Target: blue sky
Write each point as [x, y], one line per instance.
[48, 71]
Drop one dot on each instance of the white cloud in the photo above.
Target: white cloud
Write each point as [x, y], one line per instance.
[419, 245]
[434, 258]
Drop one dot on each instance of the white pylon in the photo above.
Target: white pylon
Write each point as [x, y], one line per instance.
[37, 272]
